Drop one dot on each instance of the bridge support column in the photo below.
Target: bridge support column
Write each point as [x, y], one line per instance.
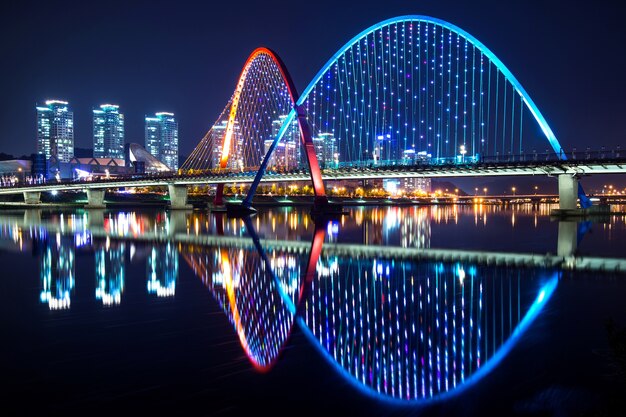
[32, 216]
[568, 238]
[95, 219]
[177, 222]
[178, 196]
[95, 198]
[568, 192]
[32, 197]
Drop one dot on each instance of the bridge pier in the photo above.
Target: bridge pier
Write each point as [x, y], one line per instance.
[32, 216]
[95, 219]
[32, 197]
[95, 198]
[567, 239]
[568, 199]
[568, 192]
[177, 222]
[178, 197]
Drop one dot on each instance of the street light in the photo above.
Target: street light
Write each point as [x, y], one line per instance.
[536, 189]
[485, 191]
[513, 189]
[475, 190]
[463, 151]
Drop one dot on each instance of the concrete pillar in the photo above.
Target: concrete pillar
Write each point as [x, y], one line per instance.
[177, 222]
[568, 192]
[568, 238]
[32, 216]
[95, 198]
[32, 197]
[178, 196]
[95, 219]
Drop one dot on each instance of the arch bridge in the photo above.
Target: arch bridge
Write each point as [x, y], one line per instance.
[410, 90]
[410, 96]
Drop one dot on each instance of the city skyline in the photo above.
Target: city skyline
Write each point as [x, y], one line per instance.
[195, 87]
[55, 134]
[107, 128]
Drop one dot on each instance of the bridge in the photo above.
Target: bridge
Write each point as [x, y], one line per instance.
[177, 183]
[406, 335]
[452, 313]
[412, 96]
[93, 224]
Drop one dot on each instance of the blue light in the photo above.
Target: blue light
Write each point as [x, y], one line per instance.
[543, 296]
[453, 28]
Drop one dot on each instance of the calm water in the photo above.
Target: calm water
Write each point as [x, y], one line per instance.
[388, 311]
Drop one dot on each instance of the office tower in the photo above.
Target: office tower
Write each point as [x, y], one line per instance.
[285, 156]
[108, 132]
[57, 272]
[110, 271]
[326, 150]
[163, 270]
[162, 138]
[292, 155]
[55, 130]
[218, 132]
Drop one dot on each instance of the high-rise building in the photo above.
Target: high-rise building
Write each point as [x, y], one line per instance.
[108, 132]
[57, 272]
[218, 132]
[326, 150]
[55, 130]
[110, 271]
[285, 156]
[162, 138]
[235, 153]
[163, 270]
[291, 139]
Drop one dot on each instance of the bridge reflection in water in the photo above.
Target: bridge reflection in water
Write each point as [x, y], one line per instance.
[414, 331]
[256, 300]
[399, 330]
[400, 323]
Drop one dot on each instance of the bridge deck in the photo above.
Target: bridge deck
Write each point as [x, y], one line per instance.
[357, 251]
[519, 168]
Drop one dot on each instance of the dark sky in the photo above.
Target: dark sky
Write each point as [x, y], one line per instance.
[184, 57]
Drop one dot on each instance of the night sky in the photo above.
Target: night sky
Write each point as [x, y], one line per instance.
[185, 56]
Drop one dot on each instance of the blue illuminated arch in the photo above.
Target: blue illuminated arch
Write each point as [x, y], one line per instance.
[530, 104]
[543, 296]
[300, 103]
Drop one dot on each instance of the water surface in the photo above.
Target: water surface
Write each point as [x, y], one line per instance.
[440, 310]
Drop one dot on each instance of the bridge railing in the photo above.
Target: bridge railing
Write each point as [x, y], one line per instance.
[574, 155]
[523, 158]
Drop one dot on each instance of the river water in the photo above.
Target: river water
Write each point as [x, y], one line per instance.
[417, 310]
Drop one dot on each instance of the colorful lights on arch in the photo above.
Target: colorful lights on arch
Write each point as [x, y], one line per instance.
[417, 67]
[406, 332]
[257, 302]
[407, 90]
[264, 95]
